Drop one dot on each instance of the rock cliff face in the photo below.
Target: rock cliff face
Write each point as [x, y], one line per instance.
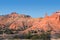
[26, 23]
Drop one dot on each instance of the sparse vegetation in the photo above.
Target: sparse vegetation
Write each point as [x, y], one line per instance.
[43, 35]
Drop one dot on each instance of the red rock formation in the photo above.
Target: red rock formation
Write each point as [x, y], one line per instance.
[48, 23]
[26, 23]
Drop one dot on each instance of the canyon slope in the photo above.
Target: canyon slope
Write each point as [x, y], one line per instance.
[26, 23]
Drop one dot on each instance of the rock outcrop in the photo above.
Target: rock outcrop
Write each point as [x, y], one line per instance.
[26, 23]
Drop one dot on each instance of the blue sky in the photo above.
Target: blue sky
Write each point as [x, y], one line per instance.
[34, 8]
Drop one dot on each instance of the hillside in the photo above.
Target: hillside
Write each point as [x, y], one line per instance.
[25, 23]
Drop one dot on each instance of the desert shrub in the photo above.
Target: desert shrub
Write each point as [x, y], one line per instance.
[27, 36]
[43, 35]
[8, 31]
